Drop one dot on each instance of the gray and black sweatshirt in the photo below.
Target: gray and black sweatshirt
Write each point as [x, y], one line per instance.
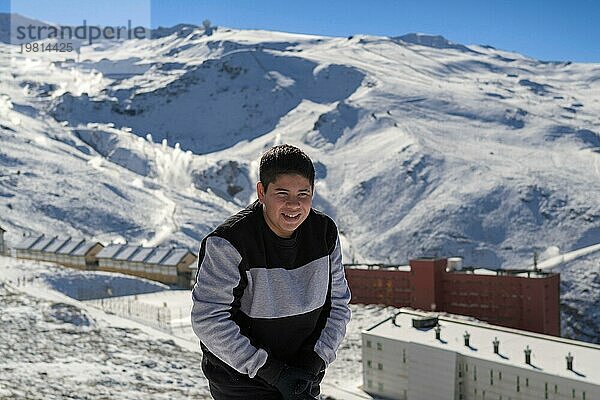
[261, 301]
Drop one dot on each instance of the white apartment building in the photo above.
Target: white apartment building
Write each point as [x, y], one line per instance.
[418, 356]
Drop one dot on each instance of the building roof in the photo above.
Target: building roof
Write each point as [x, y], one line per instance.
[462, 270]
[126, 253]
[83, 248]
[27, 242]
[42, 243]
[142, 254]
[148, 255]
[379, 267]
[547, 352]
[110, 251]
[69, 247]
[57, 245]
[175, 257]
[158, 255]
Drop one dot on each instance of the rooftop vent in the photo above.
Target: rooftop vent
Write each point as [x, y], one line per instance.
[569, 358]
[467, 336]
[454, 264]
[496, 344]
[424, 322]
[527, 355]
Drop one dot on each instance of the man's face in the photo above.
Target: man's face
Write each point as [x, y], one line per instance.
[286, 203]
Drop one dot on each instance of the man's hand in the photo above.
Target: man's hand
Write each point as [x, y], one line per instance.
[295, 383]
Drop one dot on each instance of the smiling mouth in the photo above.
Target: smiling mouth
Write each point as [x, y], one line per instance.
[291, 217]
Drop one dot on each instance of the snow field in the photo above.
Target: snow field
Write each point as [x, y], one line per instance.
[55, 347]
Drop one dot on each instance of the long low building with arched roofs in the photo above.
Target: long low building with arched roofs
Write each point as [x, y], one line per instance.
[174, 266]
[71, 252]
[167, 265]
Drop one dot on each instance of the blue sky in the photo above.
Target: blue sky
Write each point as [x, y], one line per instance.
[547, 30]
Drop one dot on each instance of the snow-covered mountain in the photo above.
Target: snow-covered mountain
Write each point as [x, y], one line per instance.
[422, 146]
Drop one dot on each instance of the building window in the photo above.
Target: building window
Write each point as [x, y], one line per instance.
[583, 395]
[491, 377]
[368, 343]
[545, 390]
[518, 384]
[404, 356]
[555, 388]
[527, 382]
[380, 386]
[573, 394]
[466, 367]
[379, 366]
[379, 346]
[475, 373]
[369, 363]
[500, 375]
[369, 383]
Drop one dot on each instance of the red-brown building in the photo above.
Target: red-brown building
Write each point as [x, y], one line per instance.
[526, 300]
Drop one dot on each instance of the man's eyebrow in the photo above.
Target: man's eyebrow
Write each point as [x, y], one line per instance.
[287, 190]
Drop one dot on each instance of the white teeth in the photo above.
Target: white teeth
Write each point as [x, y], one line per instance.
[291, 216]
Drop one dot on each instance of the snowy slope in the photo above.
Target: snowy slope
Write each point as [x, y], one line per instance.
[74, 350]
[422, 146]
[53, 346]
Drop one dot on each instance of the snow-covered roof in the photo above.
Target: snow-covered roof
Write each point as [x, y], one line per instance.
[547, 352]
[503, 272]
[109, 251]
[69, 247]
[57, 245]
[42, 244]
[83, 248]
[125, 253]
[174, 257]
[379, 267]
[158, 256]
[142, 254]
[149, 255]
[27, 242]
[484, 271]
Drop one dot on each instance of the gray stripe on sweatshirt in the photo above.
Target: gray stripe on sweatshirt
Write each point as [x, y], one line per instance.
[279, 292]
[218, 275]
[335, 328]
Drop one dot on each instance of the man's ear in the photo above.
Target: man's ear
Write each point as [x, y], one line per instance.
[260, 191]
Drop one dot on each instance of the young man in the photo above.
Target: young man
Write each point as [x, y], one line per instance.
[270, 303]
